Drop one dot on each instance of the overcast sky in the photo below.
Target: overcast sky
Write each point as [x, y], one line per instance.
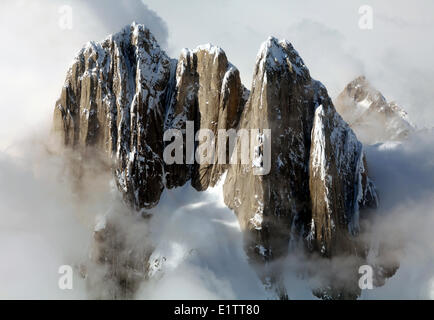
[397, 55]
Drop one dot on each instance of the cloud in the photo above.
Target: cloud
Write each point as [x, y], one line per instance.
[46, 221]
[48, 216]
[40, 226]
[112, 15]
[395, 55]
[404, 175]
[198, 249]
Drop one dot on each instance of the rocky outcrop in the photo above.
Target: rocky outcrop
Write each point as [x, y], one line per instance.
[339, 183]
[119, 99]
[209, 94]
[318, 179]
[124, 97]
[282, 99]
[368, 113]
[114, 99]
[122, 94]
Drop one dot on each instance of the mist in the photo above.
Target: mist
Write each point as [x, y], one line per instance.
[46, 221]
[48, 218]
[43, 225]
[404, 175]
[199, 251]
[197, 244]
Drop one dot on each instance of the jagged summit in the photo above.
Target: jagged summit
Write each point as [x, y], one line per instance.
[275, 54]
[370, 115]
[314, 154]
[123, 94]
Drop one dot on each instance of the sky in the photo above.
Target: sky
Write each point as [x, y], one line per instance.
[397, 56]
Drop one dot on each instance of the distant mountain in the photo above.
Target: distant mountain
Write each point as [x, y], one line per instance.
[370, 115]
[122, 94]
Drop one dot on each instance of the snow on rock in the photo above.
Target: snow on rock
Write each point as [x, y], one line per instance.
[372, 118]
[318, 181]
[339, 183]
[123, 93]
[198, 249]
[113, 99]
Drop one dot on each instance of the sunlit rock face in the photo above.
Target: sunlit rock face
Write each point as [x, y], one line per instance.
[123, 94]
[318, 181]
[209, 92]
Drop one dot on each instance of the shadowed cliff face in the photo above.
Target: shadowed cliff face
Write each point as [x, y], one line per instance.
[121, 95]
[274, 208]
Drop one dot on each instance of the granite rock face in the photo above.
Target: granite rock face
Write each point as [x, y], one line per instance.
[318, 180]
[283, 99]
[370, 115]
[339, 183]
[114, 99]
[208, 93]
[123, 95]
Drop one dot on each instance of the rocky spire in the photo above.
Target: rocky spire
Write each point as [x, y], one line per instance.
[122, 94]
[318, 181]
[208, 92]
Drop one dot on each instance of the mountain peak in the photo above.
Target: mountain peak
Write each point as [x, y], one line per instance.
[370, 115]
[275, 55]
